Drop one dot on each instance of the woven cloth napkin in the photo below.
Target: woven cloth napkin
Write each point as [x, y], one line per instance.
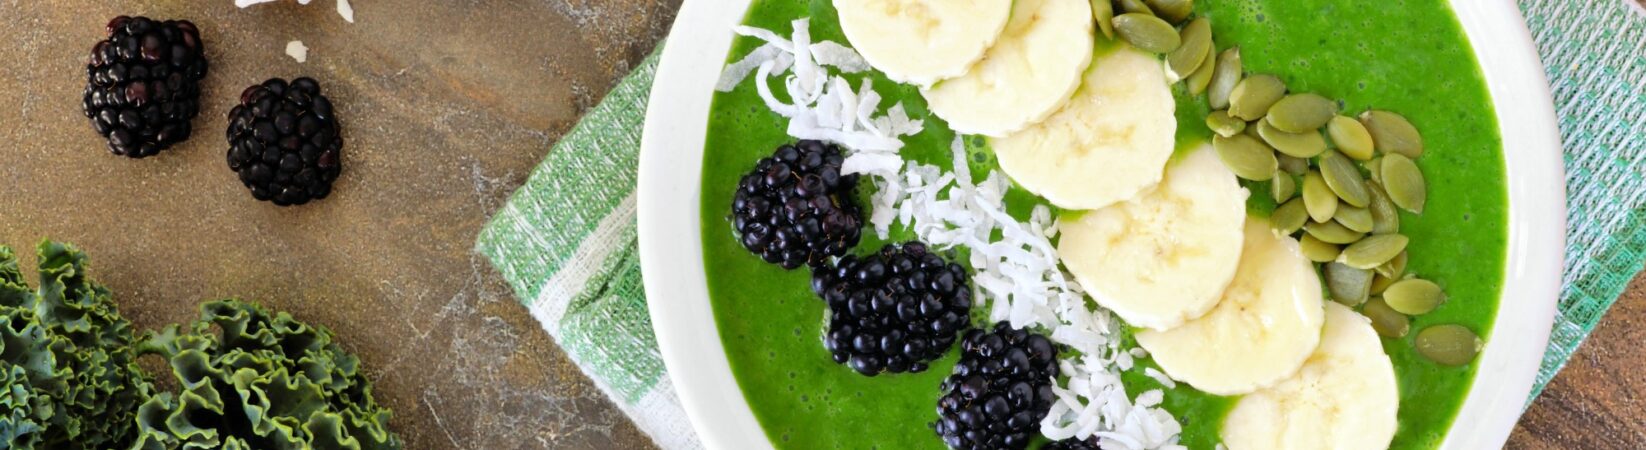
[566, 240]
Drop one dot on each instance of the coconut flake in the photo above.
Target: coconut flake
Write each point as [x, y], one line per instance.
[345, 10]
[831, 53]
[1160, 377]
[736, 72]
[296, 50]
[765, 35]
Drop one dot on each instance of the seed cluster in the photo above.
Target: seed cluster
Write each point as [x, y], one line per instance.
[893, 311]
[284, 141]
[143, 84]
[795, 208]
[999, 391]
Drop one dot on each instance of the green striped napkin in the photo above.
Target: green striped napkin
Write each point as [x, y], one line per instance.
[566, 240]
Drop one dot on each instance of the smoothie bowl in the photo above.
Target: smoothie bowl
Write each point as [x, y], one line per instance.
[1070, 224]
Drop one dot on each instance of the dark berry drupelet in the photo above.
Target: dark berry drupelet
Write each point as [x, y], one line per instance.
[999, 391]
[284, 141]
[895, 310]
[796, 208]
[1073, 444]
[143, 84]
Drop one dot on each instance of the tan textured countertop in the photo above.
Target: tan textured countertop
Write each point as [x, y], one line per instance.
[446, 107]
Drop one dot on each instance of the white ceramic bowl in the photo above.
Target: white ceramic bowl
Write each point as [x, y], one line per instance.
[671, 254]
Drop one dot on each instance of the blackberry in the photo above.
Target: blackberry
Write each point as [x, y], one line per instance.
[796, 208]
[999, 391]
[1073, 444]
[893, 311]
[284, 141]
[143, 84]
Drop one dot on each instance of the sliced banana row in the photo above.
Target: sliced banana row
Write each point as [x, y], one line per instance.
[1029, 72]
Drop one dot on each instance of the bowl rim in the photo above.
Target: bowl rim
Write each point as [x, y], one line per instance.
[684, 323]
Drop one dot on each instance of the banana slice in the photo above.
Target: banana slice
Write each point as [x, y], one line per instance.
[1165, 257]
[1029, 72]
[1108, 144]
[922, 41]
[1266, 325]
[1344, 397]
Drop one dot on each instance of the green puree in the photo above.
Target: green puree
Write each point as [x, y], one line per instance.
[1409, 57]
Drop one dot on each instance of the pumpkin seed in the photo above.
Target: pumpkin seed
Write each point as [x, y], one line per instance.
[1292, 164]
[1394, 268]
[1247, 157]
[1388, 322]
[1348, 285]
[1332, 233]
[1302, 145]
[1373, 251]
[1252, 97]
[1318, 198]
[1344, 178]
[1391, 133]
[1414, 296]
[1449, 344]
[1318, 251]
[1146, 32]
[1380, 283]
[1223, 125]
[1224, 80]
[1195, 40]
[1136, 6]
[1403, 182]
[1282, 187]
[1171, 10]
[1103, 12]
[1202, 77]
[1298, 113]
[1289, 217]
[1350, 137]
[1384, 217]
[1357, 219]
[1375, 167]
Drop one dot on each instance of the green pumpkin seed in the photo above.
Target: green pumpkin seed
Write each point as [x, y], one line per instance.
[1384, 217]
[1171, 10]
[1318, 198]
[1373, 251]
[1381, 283]
[1449, 344]
[1224, 80]
[1292, 164]
[1388, 322]
[1252, 97]
[1357, 219]
[1391, 133]
[1223, 125]
[1348, 285]
[1195, 42]
[1103, 12]
[1414, 296]
[1298, 113]
[1344, 178]
[1318, 251]
[1282, 187]
[1247, 157]
[1375, 168]
[1135, 6]
[1332, 233]
[1289, 217]
[1146, 32]
[1394, 268]
[1302, 145]
[1350, 137]
[1202, 77]
[1404, 183]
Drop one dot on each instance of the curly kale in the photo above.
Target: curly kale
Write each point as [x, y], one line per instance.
[252, 380]
[66, 357]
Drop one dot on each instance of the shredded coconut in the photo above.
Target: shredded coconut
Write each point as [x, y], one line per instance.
[296, 50]
[343, 7]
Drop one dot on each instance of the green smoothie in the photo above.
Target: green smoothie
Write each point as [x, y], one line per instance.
[1412, 59]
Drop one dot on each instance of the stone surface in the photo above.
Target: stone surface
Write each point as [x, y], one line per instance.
[446, 107]
[1595, 403]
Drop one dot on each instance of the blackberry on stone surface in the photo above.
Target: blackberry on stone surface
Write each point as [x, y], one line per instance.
[999, 391]
[795, 207]
[893, 311]
[143, 84]
[285, 142]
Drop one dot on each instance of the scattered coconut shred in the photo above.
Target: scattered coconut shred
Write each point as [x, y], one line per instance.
[343, 7]
[1017, 273]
